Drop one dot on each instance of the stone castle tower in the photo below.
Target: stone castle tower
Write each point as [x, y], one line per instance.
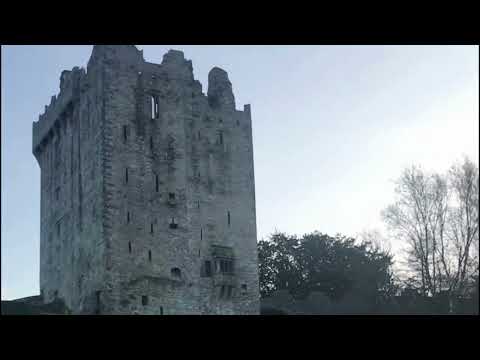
[147, 190]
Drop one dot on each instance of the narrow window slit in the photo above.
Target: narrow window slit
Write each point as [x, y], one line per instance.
[154, 107]
[98, 301]
[208, 268]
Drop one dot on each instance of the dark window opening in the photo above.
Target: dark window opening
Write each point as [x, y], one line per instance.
[171, 196]
[222, 291]
[125, 133]
[208, 268]
[228, 216]
[173, 225]
[57, 193]
[55, 293]
[201, 234]
[176, 273]
[244, 288]
[229, 294]
[157, 184]
[128, 217]
[199, 135]
[150, 255]
[144, 300]
[98, 303]
[198, 202]
[151, 143]
[58, 228]
[130, 247]
[126, 175]
[161, 310]
[224, 266]
[151, 228]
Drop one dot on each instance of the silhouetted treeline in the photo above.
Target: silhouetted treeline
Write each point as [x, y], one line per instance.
[320, 274]
[336, 267]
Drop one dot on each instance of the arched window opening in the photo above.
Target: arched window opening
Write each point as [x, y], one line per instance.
[154, 107]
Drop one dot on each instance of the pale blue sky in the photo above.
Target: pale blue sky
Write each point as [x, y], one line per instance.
[333, 126]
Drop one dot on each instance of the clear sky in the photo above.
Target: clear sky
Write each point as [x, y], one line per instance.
[333, 126]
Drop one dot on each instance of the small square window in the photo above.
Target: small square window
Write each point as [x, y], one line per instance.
[144, 300]
[244, 288]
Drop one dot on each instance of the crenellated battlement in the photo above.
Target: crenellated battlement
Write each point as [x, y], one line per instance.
[174, 66]
[69, 93]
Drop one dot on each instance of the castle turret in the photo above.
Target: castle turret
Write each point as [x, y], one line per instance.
[121, 55]
[220, 94]
[174, 63]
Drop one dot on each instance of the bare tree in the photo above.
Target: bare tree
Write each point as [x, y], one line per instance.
[376, 239]
[437, 216]
[418, 218]
[463, 224]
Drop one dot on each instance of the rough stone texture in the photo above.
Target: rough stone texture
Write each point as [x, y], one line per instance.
[115, 174]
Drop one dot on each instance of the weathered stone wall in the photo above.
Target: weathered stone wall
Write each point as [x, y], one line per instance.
[187, 161]
[71, 249]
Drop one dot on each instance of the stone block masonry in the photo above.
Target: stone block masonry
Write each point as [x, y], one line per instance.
[147, 190]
